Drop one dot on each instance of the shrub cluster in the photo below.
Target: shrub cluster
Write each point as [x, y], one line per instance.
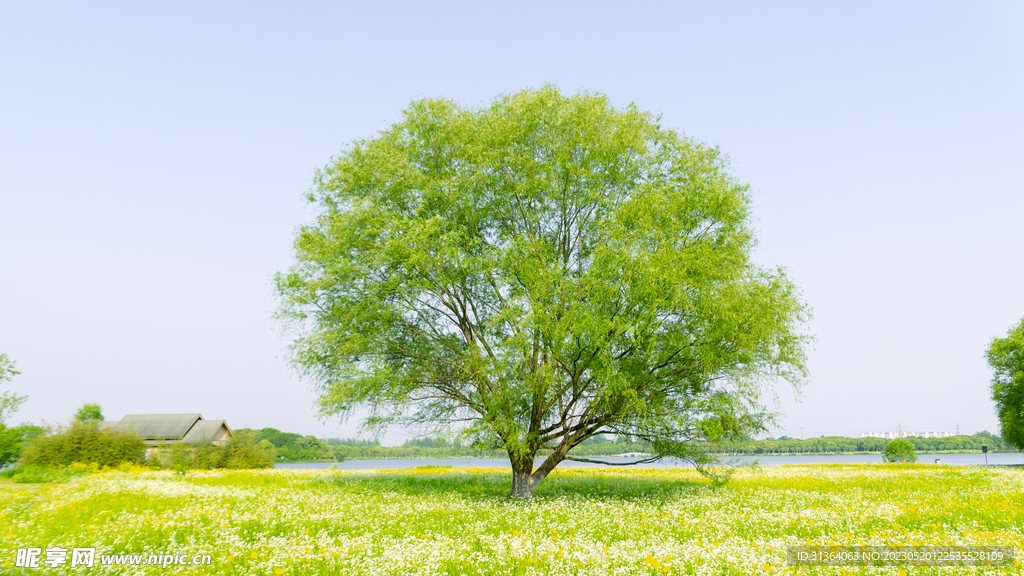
[899, 450]
[84, 442]
[87, 443]
[242, 453]
[13, 441]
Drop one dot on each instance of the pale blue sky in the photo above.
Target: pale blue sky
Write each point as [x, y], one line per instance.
[153, 160]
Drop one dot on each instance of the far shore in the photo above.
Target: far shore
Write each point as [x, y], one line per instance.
[640, 455]
[625, 455]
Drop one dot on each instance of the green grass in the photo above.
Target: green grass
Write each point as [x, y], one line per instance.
[439, 520]
[41, 475]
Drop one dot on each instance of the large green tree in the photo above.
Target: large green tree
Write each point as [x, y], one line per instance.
[537, 272]
[1006, 357]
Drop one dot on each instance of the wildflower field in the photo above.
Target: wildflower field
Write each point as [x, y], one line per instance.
[460, 521]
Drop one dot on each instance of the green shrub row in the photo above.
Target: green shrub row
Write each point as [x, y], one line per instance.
[240, 454]
[88, 443]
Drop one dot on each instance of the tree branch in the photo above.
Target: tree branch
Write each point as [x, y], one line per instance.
[644, 461]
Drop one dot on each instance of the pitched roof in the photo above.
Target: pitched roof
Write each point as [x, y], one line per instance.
[204, 430]
[159, 426]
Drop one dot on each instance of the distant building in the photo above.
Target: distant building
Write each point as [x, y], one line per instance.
[163, 430]
[893, 435]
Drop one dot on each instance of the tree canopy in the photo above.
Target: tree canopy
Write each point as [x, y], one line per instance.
[88, 412]
[536, 272]
[1006, 357]
[899, 450]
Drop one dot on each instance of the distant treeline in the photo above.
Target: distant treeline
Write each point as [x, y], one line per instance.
[291, 447]
[840, 444]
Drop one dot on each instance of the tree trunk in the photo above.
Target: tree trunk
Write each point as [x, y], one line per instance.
[522, 485]
[522, 478]
[525, 480]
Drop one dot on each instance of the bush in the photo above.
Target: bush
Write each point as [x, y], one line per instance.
[10, 444]
[242, 453]
[899, 450]
[87, 443]
[14, 439]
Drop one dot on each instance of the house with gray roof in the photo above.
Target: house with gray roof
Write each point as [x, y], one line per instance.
[161, 430]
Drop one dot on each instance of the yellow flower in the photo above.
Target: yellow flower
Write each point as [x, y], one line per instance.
[278, 570]
[652, 561]
[255, 555]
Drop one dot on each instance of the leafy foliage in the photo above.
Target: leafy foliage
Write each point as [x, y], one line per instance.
[14, 439]
[9, 402]
[86, 443]
[291, 447]
[535, 273]
[10, 445]
[7, 371]
[899, 450]
[243, 452]
[89, 412]
[1006, 357]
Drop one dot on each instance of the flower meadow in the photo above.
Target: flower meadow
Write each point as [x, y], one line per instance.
[460, 521]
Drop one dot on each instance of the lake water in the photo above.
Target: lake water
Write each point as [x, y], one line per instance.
[924, 458]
